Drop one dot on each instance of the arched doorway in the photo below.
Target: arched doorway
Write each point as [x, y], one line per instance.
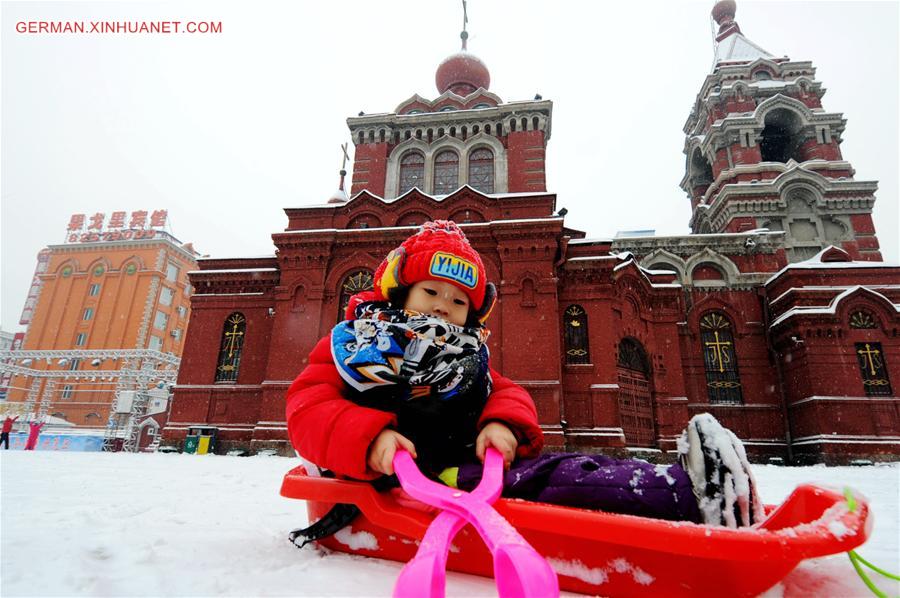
[635, 401]
[148, 432]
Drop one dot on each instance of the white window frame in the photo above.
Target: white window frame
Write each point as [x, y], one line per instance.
[81, 339]
[88, 314]
[172, 271]
[160, 317]
[166, 295]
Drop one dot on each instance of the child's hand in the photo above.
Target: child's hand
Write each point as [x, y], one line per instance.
[501, 438]
[384, 447]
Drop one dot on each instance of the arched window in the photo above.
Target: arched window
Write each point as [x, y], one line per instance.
[230, 349]
[873, 369]
[723, 383]
[446, 172]
[701, 173]
[781, 136]
[862, 320]
[481, 170]
[412, 171]
[576, 327]
[355, 282]
[631, 356]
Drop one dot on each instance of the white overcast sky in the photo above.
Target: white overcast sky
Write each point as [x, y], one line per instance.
[226, 130]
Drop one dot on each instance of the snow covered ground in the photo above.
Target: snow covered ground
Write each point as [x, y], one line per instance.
[100, 524]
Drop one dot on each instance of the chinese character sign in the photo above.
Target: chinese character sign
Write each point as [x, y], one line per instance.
[117, 220]
[76, 222]
[158, 218]
[43, 259]
[120, 226]
[96, 221]
[138, 219]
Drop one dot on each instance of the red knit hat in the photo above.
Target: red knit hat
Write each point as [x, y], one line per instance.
[439, 251]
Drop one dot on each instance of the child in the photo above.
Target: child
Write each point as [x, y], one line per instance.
[409, 369]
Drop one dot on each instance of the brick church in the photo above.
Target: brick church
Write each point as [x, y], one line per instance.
[776, 314]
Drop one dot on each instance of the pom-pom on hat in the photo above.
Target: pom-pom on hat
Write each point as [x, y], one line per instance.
[439, 251]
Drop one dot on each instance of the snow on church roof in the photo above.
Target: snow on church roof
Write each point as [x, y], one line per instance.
[416, 226]
[831, 308]
[737, 48]
[821, 261]
[434, 197]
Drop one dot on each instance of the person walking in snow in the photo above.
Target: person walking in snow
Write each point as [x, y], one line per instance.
[33, 433]
[7, 428]
[409, 369]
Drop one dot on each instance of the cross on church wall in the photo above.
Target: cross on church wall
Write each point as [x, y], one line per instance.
[719, 349]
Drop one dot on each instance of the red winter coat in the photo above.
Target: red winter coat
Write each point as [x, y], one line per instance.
[8, 424]
[333, 432]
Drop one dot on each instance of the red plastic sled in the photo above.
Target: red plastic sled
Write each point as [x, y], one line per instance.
[607, 554]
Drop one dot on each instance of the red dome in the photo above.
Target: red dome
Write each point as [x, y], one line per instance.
[462, 73]
[724, 11]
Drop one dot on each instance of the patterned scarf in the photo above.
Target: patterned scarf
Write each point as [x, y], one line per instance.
[425, 355]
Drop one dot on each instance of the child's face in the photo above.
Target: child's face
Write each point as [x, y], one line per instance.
[440, 299]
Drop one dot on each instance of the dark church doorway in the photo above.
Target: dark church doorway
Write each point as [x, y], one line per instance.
[635, 401]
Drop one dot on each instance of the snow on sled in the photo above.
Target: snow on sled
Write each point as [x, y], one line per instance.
[608, 554]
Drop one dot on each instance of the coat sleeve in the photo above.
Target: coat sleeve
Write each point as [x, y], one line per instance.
[324, 426]
[511, 404]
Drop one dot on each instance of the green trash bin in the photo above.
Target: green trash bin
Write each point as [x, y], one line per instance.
[190, 443]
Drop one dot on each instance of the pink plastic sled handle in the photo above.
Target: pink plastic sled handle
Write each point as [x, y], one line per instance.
[518, 569]
[424, 574]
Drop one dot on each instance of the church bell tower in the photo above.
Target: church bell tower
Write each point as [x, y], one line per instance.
[762, 152]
